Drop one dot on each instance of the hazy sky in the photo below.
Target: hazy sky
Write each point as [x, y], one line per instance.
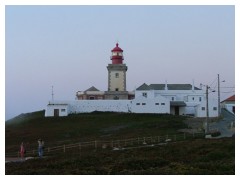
[69, 47]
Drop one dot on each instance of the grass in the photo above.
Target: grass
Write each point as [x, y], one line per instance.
[178, 158]
[87, 127]
[199, 156]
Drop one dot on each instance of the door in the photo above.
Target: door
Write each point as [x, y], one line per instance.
[176, 110]
[56, 112]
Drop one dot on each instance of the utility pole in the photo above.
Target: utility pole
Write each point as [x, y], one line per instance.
[219, 108]
[207, 112]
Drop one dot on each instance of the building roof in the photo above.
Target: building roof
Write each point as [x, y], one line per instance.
[231, 98]
[143, 87]
[169, 86]
[177, 103]
[118, 49]
[92, 89]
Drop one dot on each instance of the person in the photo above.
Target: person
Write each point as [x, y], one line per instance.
[22, 150]
[40, 147]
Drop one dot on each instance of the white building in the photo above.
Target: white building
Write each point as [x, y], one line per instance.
[177, 99]
[138, 105]
[229, 104]
[184, 99]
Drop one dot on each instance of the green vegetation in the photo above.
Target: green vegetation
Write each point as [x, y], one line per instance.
[87, 127]
[196, 156]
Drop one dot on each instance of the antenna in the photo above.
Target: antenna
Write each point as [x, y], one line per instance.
[52, 94]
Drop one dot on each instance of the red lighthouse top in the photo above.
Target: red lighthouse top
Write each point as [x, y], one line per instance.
[117, 55]
[117, 49]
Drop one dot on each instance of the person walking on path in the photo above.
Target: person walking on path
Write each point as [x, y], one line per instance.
[22, 150]
[40, 147]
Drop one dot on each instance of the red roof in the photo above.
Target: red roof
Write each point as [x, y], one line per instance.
[118, 49]
[232, 98]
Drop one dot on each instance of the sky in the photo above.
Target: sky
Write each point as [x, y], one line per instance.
[69, 48]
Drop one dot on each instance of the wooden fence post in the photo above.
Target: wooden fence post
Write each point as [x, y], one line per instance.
[95, 144]
[80, 148]
[144, 141]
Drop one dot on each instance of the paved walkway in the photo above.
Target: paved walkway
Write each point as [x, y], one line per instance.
[225, 126]
[17, 159]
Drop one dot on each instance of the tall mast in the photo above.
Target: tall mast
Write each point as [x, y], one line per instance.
[52, 94]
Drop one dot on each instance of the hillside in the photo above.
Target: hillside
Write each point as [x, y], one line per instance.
[87, 127]
[191, 156]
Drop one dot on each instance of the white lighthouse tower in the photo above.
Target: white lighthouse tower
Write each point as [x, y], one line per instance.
[117, 76]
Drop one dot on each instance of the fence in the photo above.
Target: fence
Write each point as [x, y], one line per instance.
[112, 144]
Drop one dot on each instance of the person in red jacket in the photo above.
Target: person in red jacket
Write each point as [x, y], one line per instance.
[22, 150]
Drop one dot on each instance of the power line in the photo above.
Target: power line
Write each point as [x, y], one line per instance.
[228, 92]
[227, 87]
[213, 82]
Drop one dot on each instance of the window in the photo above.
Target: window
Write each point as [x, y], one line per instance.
[143, 104]
[162, 104]
[200, 99]
[63, 110]
[203, 108]
[116, 89]
[144, 94]
[137, 104]
[116, 75]
[193, 98]
[91, 97]
[172, 98]
[157, 104]
[214, 108]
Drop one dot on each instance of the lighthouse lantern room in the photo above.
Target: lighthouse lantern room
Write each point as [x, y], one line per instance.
[117, 55]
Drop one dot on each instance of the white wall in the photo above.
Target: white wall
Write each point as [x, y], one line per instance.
[84, 106]
[212, 108]
[146, 105]
[63, 109]
[194, 99]
[229, 107]
[156, 105]
[181, 95]
[140, 104]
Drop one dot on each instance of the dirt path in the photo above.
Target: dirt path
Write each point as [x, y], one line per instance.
[17, 159]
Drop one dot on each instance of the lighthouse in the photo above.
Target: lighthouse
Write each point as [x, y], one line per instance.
[117, 75]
